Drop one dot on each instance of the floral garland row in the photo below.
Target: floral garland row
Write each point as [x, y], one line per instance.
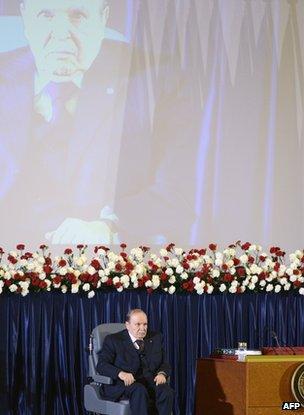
[240, 268]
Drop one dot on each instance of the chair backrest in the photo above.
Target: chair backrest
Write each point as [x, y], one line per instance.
[98, 335]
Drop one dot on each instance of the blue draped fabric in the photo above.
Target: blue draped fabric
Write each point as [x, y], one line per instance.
[43, 339]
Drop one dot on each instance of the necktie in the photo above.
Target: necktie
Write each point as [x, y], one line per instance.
[141, 345]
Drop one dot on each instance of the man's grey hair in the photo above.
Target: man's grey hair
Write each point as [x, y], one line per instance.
[134, 311]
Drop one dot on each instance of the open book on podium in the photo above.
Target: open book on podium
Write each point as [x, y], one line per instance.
[260, 385]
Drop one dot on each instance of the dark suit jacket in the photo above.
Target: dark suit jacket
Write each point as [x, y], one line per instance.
[119, 354]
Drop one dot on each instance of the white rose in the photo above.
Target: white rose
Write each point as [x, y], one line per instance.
[64, 289]
[13, 288]
[287, 286]
[179, 269]
[244, 259]
[184, 276]
[86, 287]
[75, 288]
[169, 271]
[42, 276]
[234, 282]
[199, 289]
[24, 293]
[215, 273]
[104, 279]
[62, 271]
[171, 289]
[262, 283]
[283, 280]
[163, 252]
[210, 289]
[79, 262]
[251, 286]
[269, 287]
[196, 280]
[219, 255]
[252, 248]
[77, 273]
[91, 270]
[175, 262]
[222, 288]
[218, 262]
[135, 284]
[91, 294]
[254, 279]
[116, 280]
[172, 279]
[119, 289]
[232, 289]
[178, 251]
[301, 291]
[277, 288]
[148, 283]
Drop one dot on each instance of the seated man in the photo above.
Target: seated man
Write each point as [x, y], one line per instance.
[134, 359]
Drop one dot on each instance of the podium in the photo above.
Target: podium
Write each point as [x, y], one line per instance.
[257, 386]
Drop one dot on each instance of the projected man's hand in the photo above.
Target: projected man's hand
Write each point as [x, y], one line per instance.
[75, 231]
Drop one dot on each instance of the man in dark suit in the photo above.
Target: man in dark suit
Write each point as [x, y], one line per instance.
[80, 162]
[135, 359]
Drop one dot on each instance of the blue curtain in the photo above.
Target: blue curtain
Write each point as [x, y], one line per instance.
[43, 339]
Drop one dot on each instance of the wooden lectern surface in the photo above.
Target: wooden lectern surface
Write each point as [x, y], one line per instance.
[228, 387]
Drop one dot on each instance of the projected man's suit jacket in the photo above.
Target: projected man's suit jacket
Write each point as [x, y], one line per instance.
[109, 157]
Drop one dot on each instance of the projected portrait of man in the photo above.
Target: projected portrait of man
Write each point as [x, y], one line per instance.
[76, 140]
[64, 36]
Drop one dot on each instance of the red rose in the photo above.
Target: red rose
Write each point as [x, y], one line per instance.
[12, 259]
[228, 277]
[57, 279]
[80, 246]
[43, 247]
[124, 255]
[262, 258]
[150, 290]
[296, 272]
[225, 267]
[42, 285]
[95, 264]
[236, 261]
[202, 251]
[118, 267]
[109, 281]
[1, 251]
[48, 260]
[250, 259]
[246, 246]
[276, 267]
[20, 247]
[163, 276]
[68, 251]
[297, 283]
[123, 246]
[47, 268]
[170, 247]
[240, 271]
[213, 247]
[62, 263]
[129, 267]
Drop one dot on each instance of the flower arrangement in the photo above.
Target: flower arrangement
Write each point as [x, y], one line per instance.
[240, 268]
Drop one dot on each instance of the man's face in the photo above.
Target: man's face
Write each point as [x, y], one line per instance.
[138, 324]
[64, 35]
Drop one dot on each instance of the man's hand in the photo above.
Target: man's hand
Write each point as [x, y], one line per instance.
[160, 379]
[127, 378]
[73, 230]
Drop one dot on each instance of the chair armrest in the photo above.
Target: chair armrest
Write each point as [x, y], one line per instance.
[106, 380]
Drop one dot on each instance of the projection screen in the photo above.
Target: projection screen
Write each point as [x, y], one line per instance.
[151, 121]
